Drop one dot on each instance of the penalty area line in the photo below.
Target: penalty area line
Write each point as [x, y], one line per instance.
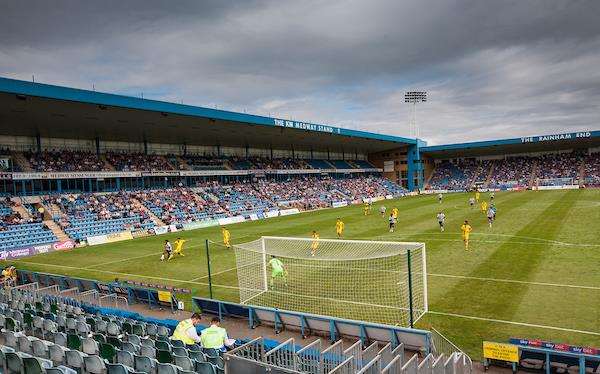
[91, 267]
[514, 323]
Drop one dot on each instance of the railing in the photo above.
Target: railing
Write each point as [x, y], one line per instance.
[309, 358]
[283, 355]
[90, 297]
[53, 290]
[443, 346]
[113, 301]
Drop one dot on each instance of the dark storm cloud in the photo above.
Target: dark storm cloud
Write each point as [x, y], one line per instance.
[493, 68]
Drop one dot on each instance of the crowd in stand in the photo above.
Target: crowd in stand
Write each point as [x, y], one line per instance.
[138, 162]
[49, 161]
[304, 192]
[177, 205]
[564, 165]
[68, 160]
[513, 171]
[238, 197]
[517, 171]
[278, 163]
[591, 170]
[200, 162]
[9, 217]
[455, 176]
[315, 192]
[98, 207]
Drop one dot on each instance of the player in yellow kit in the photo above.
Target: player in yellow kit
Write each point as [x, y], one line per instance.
[315, 243]
[339, 227]
[226, 237]
[395, 212]
[477, 195]
[484, 206]
[179, 246]
[366, 209]
[466, 231]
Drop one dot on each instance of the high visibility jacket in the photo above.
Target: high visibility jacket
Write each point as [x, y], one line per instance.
[213, 337]
[180, 332]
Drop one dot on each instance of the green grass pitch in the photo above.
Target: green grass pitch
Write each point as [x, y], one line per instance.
[535, 274]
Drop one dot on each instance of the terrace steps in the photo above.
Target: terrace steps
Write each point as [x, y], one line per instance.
[183, 165]
[157, 221]
[534, 171]
[581, 171]
[51, 210]
[428, 180]
[20, 160]
[20, 210]
[490, 174]
[58, 232]
[107, 164]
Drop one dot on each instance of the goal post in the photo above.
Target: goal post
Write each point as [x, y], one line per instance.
[375, 281]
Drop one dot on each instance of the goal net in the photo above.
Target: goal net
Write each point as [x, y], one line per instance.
[383, 282]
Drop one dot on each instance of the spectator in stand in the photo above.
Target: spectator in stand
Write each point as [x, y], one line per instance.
[98, 207]
[591, 170]
[215, 337]
[138, 162]
[556, 166]
[64, 160]
[186, 330]
[460, 175]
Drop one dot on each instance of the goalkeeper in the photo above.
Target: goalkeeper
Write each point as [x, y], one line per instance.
[315, 243]
[277, 270]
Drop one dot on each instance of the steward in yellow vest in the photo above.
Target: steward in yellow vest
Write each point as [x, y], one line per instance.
[214, 337]
[186, 330]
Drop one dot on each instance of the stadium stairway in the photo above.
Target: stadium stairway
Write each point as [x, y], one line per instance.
[157, 221]
[534, 171]
[20, 210]
[58, 232]
[183, 163]
[428, 180]
[581, 172]
[489, 175]
[107, 165]
[52, 211]
[203, 192]
[21, 162]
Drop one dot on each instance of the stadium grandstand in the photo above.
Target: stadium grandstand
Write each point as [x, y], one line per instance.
[92, 164]
[81, 168]
[549, 161]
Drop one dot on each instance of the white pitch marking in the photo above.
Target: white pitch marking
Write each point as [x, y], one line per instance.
[514, 323]
[213, 274]
[501, 280]
[91, 267]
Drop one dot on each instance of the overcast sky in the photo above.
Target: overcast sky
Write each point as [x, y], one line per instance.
[492, 69]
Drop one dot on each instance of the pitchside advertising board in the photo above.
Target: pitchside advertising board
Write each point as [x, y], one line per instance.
[536, 343]
[36, 250]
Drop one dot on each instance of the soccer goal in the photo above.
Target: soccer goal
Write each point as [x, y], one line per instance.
[383, 282]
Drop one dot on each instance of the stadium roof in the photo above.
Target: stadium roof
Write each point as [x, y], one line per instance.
[538, 143]
[32, 109]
